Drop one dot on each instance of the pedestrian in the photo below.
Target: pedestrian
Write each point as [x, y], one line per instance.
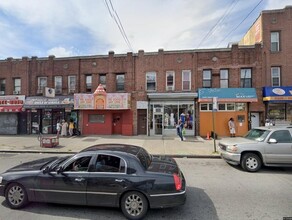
[71, 127]
[231, 126]
[64, 128]
[179, 127]
[58, 127]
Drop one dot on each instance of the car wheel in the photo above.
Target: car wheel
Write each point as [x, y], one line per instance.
[134, 205]
[251, 162]
[16, 196]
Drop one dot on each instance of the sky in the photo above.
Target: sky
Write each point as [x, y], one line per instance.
[69, 28]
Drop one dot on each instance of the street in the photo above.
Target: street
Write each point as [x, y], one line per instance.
[215, 190]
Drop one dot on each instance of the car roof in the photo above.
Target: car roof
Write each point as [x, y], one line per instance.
[276, 127]
[125, 148]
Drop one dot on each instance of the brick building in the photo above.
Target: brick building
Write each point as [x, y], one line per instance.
[147, 92]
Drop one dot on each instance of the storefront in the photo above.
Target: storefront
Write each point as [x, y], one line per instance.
[278, 103]
[12, 115]
[43, 113]
[229, 103]
[165, 109]
[104, 113]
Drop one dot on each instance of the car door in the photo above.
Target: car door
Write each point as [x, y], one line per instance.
[281, 151]
[107, 180]
[66, 187]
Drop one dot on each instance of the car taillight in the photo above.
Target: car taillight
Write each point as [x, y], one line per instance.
[177, 181]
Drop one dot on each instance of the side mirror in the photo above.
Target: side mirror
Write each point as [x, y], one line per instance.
[46, 170]
[272, 141]
[59, 170]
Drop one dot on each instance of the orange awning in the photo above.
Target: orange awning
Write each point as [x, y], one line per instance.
[10, 108]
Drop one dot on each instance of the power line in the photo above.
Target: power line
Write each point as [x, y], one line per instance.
[211, 31]
[117, 20]
[234, 29]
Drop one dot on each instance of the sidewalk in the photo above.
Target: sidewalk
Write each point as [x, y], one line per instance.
[172, 146]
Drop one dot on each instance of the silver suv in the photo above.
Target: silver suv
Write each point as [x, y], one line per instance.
[271, 146]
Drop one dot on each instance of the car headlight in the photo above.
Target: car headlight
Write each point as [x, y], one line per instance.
[231, 148]
[1, 179]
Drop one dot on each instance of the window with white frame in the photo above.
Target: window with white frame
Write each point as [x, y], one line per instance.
[170, 80]
[120, 82]
[42, 83]
[245, 78]
[71, 84]
[224, 78]
[17, 86]
[58, 84]
[207, 78]
[276, 74]
[151, 81]
[88, 82]
[275, 42]
[224, 106]
[186, 80]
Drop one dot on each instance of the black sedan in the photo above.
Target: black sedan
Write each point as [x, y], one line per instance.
[112, 175]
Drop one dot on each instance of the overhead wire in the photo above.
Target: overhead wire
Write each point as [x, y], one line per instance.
[234, 29]
[118, 22]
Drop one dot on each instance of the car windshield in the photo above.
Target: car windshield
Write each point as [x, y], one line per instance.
[56, 163]
[257, 134]
[144, 157]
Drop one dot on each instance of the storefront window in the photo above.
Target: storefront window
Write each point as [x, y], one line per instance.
[186, 112]
[289, 112]
[240, 107]
[170, 116]
[96, 118]
[230, 107]
[276, 111]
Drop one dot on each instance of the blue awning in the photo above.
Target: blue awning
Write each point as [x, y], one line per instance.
[277, 94]
[228, 94]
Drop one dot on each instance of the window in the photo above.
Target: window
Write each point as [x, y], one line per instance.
[224, 78]
[120, 82]
[206, 107]
[109, 163]
[223, 106]
[275, 71]
[275, 42]
[42, 83]
[245, 78]
[17, 86]
[282, 136]
[102, 80]
[79, 165]
[169, 80]
[151, 81]
[206, 78]
[88, 81]
[58, 84]
[96, 118]
[2, 86]
[71, 84]
[186, 80]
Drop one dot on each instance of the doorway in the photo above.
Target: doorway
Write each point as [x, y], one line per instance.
[117, 123]
[158, 124]
[255, 119]
[142, 122]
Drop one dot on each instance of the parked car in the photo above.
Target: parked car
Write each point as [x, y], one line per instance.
[269, 146]
[112, 175]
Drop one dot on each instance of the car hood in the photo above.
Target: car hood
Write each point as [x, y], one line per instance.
[163, 164]
[237, 140]
[32, 165]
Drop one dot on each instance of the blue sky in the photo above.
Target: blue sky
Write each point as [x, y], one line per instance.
[87, 27]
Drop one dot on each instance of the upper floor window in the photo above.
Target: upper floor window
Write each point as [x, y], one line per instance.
[275, 42]
[224, 78]
[88, 82]
[17, 86]
[186, 80]
[207, 78]
[58, 84]
[151, 81]
[169, 80]
[42, 83]
[2, 86]
[245, 78]
[71, 84]
[102, 80]
[276, 73]
[120, 82]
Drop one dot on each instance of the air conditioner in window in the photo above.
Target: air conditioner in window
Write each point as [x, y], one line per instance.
[16, 92]
[2, 92]
[169, 88]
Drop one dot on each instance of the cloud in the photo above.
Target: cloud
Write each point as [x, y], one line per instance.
[61, 52]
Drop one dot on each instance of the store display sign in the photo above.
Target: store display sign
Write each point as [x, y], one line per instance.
[9, 100]
[44, 102]
[118, 101]
[83, 101]
[277, 94]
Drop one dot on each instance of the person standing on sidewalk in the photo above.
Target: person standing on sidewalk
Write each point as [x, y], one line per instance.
[179, 128]
[64, 128]
[231, 126]
[71, 127]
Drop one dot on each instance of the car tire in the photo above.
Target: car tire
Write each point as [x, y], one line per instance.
[134, 205]
[251, 162]
[16, 196]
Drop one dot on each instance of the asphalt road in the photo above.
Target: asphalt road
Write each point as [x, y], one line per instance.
[216, 190]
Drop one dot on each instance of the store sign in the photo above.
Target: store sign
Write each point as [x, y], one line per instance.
[9, 100]
[83, 101]
[43, 102]
[118, 101]
[277, 94]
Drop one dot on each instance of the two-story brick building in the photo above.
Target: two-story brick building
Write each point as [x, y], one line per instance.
[147, 92]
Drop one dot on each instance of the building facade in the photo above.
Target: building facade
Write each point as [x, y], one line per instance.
[250, 81]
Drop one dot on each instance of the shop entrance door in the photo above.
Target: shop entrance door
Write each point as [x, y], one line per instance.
[117, 123]
[142, 121]
[158, 124]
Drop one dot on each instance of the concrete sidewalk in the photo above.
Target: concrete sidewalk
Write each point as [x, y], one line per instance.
[172, 146]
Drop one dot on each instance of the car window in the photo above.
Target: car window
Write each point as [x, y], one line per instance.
[110, 163]
[257, 134]
[79, 165]
[282, 136]
[144, 157]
